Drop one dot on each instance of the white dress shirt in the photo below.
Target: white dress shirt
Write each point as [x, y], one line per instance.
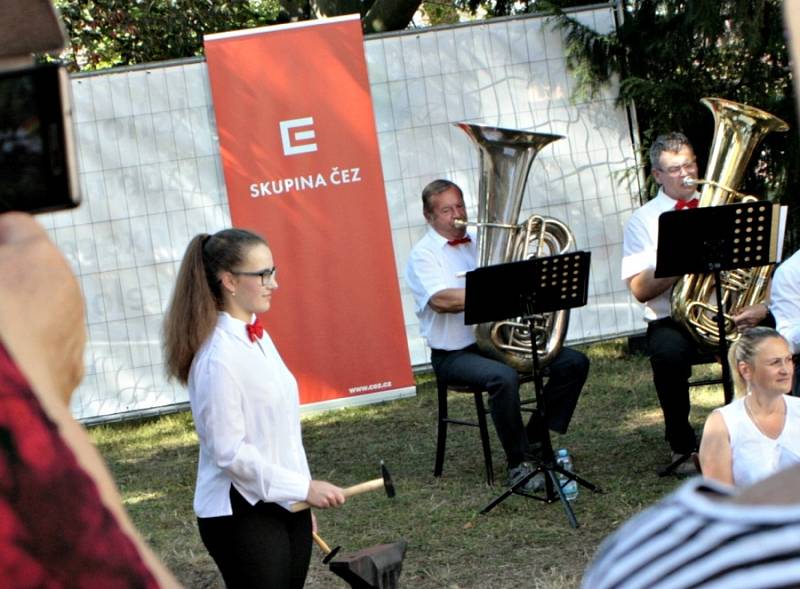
[246, 411]
[433, 266]
[639, 248]
[785, 304]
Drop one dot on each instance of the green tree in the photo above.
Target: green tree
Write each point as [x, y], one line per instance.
[668, 54]
[105, 33]
[440, 12]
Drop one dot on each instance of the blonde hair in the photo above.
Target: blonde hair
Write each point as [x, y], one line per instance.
[744, 350]
[197, 297]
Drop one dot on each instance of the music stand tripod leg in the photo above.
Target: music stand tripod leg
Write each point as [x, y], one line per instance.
[547, 465]
[573, 521]
[580, 480]
[554, 491]
[511, 490]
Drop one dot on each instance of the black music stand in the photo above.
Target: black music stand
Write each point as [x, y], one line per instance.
[524, 289]
[711, 240]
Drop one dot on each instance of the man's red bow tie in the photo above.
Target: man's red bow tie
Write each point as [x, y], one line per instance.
[687, 204]
[465, 239]
[255, 330]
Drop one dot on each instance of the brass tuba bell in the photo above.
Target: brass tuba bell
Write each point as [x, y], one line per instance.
[738, 129]
[506, 156]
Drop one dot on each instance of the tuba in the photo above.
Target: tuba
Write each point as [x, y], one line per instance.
[738, 129]
[506, 156]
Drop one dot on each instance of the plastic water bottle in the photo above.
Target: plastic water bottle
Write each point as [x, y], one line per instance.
[568, 486]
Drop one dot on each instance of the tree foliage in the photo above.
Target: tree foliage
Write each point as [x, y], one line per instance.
[105, 33]
[440, 12]
[668, 54]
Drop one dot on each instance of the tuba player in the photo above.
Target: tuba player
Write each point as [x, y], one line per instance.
[672, 350]
[434, 274]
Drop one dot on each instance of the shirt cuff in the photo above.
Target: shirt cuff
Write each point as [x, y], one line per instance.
[428, 296]
[288, 485]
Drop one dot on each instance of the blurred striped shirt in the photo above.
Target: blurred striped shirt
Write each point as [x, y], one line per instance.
[692, 539]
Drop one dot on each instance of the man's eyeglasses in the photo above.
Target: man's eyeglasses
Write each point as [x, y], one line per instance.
[689, 166]
[264, 274]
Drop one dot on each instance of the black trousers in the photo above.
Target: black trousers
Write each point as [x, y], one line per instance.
[260, 546]
[567, 374]
[672, 353]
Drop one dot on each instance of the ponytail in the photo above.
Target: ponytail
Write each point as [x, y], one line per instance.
[739, 385]
[197, 297]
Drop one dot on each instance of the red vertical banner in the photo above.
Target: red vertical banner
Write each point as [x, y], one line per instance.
[302, 168]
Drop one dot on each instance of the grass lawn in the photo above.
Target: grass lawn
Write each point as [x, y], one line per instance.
[616, 440]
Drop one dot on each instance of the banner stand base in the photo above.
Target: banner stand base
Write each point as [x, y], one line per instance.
[356, 400]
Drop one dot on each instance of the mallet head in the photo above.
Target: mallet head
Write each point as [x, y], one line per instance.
[330, 556]
[387, 481]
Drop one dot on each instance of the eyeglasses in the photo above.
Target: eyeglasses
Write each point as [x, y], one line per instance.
[266, 275]
[689, 166]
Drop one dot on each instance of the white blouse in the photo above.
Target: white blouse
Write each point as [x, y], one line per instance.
[754, 455]
[246, 410]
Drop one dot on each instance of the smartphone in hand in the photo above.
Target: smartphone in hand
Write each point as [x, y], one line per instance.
[38, 171]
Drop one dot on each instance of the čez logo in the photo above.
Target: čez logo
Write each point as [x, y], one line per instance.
[297, 130]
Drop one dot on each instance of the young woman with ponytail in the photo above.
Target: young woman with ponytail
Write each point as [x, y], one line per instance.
[245, 404]
[759, 432]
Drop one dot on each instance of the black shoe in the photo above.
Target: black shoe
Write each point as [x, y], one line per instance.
[687, 467]
[532, 485]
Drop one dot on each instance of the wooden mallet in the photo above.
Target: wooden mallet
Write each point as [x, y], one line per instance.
[385, 481]
[329, 554]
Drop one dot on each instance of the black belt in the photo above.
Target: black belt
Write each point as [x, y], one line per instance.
[440, 351]
[661, 321]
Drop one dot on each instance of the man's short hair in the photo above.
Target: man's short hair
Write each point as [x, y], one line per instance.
[672, 142]
[434, 188]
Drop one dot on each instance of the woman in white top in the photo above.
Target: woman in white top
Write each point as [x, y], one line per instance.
[245, 404]
[758, 433]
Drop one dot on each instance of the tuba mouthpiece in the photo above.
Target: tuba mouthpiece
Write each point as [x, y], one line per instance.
[689, 181]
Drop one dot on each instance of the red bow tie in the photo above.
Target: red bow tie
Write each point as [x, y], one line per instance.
[465, 239]
[687, 204]
[255, 330]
